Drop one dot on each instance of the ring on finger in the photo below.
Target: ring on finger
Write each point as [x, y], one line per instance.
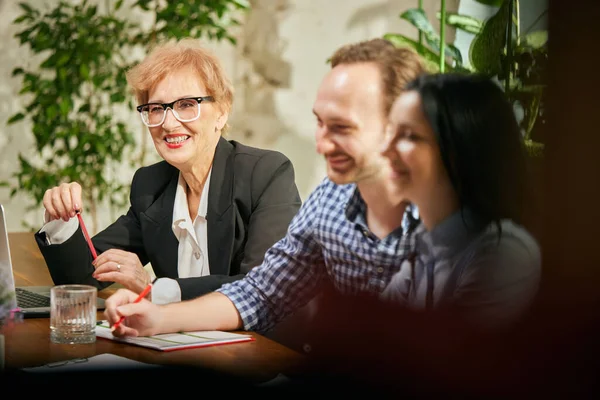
[118, 267]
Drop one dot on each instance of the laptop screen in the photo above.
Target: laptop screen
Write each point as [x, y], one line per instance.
[7, 284]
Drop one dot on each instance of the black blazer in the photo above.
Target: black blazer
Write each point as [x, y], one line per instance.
[252, 199]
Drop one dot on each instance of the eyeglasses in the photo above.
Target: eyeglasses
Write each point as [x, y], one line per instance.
[185, 110]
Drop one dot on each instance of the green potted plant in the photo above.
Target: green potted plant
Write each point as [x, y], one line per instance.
[71, 99]
[75, 96]
[499, 50]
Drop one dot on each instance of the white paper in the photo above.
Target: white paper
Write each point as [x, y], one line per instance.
[174, 341]
[106, 361]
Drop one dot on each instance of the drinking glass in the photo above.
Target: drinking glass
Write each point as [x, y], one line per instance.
[73, 314]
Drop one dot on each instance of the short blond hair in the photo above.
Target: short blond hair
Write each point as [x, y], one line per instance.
[398, 65]
[173, 56]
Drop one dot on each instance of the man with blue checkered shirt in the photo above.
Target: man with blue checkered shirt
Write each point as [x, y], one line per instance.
[351, 231]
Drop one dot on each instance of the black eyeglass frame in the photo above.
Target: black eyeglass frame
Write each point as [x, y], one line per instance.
[170, 105]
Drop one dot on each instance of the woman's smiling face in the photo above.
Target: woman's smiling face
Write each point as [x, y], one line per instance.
[183, 144]
[411, 147]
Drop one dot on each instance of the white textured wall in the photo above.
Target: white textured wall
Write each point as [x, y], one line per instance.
[310, 30]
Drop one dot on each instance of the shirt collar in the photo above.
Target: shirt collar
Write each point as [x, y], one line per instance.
[356, 209]
[203, 207]
[180, 209]
[356, 212]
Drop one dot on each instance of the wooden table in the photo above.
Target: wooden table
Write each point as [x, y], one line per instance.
[28, 344]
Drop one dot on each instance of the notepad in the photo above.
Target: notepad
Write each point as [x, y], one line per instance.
[175, 341]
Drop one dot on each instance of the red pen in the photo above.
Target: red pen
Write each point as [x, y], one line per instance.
[87, 237]
[139, 298]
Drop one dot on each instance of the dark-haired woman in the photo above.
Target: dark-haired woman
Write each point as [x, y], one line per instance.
[457, 154]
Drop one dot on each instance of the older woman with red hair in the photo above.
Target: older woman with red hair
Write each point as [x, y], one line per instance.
[203, 216]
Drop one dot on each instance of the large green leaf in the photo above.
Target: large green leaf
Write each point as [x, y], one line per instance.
[419, 20]
[27, 8]
[431, 59]
[487, 48]
[495, 3]
[15, 118]
[451, 50]
[464, 22]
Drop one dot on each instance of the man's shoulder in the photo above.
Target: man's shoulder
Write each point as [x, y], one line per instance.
[512, 235]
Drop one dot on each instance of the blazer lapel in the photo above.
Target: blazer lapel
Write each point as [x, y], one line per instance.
[220, 217]
[157, 226]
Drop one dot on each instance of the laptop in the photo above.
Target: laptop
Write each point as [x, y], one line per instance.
[34, 301]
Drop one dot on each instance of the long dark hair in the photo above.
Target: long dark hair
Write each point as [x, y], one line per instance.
[480, 142]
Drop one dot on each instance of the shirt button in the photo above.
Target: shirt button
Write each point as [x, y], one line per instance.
[197, 254]
[307, 348]
[380, 270]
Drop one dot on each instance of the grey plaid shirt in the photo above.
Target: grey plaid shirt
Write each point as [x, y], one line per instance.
[327, 239]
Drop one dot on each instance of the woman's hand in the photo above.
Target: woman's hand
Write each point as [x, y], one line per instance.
[62, 201]
[141, 319]
[122, 267]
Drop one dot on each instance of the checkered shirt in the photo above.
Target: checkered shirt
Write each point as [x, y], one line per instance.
[327, 239]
